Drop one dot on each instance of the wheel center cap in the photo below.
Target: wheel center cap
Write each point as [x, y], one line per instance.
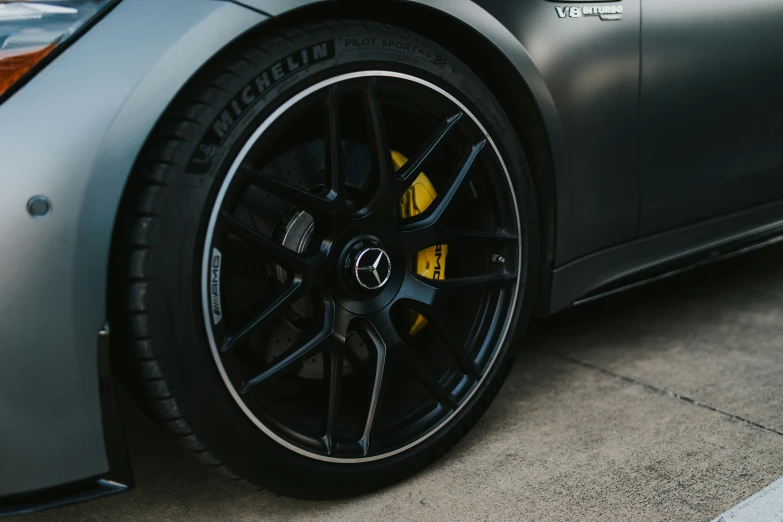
[368, 266]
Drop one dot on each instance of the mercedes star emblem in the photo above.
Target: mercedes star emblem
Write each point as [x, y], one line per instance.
[372, 268]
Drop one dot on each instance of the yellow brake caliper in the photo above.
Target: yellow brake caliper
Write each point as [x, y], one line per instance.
[430, 262]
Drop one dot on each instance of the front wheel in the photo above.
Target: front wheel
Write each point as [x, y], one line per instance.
[325, 251]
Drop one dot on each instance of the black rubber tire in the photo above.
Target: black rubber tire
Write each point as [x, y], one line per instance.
[158, 329]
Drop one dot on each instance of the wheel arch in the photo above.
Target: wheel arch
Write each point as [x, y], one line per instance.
[484, 45]
[180, 156]
[77, 127]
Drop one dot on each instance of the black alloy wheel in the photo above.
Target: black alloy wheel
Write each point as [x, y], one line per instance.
[344, 334]
[313, 308]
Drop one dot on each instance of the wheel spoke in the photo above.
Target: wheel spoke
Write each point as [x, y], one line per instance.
[427, 297]
[417, 238]
[436, 211]
[422, 232]
[414, 166]
[334, 147]
[431, 292]
[310, 202]
[279, 252]
[458, 235]
[460, 285]
[321, 341]
[273, 312]
[381, 334]
[333, 368]
[425, 377]
[380, 150]
[375, 399]
[457, 349]
[380, 203]
[448, 196]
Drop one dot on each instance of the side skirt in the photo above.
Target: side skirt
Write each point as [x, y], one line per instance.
[120, 475]
[663, 255]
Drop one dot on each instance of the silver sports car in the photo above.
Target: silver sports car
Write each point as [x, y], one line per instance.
[303, 233]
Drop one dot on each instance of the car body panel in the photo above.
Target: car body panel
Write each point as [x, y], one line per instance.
[93, 107]
[591, 69]
[710, 130]
[90, 110]
[585, 78]
[667, 253]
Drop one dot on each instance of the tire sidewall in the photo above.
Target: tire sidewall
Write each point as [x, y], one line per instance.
[203, 159]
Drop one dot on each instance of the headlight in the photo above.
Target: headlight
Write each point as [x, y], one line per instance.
[30, 30]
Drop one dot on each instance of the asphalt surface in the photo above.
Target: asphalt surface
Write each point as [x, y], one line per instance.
[658, 404]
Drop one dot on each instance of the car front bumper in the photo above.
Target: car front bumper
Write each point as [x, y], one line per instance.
[72, 134]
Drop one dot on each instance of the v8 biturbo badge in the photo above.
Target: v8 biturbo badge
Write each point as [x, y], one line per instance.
[605, 12]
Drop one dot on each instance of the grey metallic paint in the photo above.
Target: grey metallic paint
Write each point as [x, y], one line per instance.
[591, 69]
[615, 268]
[585, 79]
[633, 153]
[73, 133]
[712, 120]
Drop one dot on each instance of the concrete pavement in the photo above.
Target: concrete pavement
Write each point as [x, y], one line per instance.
[659, 404]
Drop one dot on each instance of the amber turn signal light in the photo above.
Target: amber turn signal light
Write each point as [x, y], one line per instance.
[30, 30]
[15, 66]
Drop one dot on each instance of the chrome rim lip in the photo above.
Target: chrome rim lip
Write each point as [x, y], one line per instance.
[205, 298]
